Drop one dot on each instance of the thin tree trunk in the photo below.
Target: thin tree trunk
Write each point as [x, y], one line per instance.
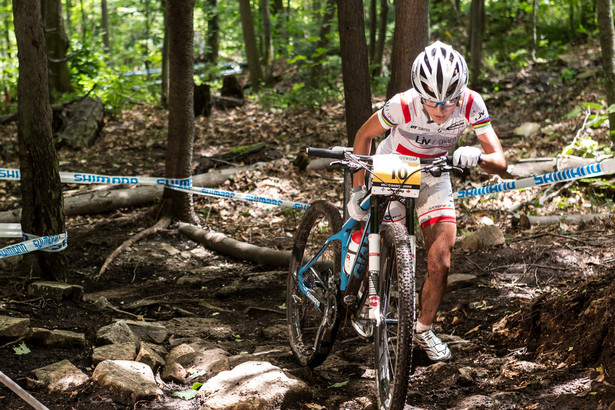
[604, 10]
[213, 32]
[57, 46]
[382, 36]
[249, 37]
[165, 57]
[321, 45]
[476, 42]
[41, 188]
[178, 162]
[268, 54]
[355, 65]
[105, 25]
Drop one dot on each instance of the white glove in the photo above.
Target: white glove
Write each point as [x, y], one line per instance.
[354, 203]
[466, 157]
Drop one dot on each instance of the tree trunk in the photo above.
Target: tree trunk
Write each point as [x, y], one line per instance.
[268, 54]
[382, 36]
[57, 46]
[409, 40]
[213, 33]
[355, 65]
[534, 28]
[178, 162]
[607, 43]
[104, 22]
[476, 41]
[249, 38]
[41, 189]
[322, 44]
[373, 26]
[164, 75]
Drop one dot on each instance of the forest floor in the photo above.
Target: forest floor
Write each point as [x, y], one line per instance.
[534, 331]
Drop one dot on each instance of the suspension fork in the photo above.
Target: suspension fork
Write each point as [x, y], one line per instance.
[374, 262]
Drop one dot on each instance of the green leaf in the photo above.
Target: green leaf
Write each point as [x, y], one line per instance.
[185, 394]
[338, 385]
[21, 349]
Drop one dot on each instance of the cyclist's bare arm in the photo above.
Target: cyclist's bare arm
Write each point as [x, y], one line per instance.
[493, 160]
[363, 141]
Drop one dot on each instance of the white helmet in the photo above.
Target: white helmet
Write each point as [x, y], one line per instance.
[439, 73]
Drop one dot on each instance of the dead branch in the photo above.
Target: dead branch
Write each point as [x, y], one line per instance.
[525, 221]
[163, 223]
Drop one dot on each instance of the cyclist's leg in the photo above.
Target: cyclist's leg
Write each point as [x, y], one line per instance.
[439, 241]
[436, 214]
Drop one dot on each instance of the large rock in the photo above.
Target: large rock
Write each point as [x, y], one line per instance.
[184, 361]
[486, 237]
[56, 337]
[127, 381]
[252, 386]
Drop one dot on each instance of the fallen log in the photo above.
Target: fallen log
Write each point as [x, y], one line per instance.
[220, 243]
[526, 221]
[103, 201]
[538, 166]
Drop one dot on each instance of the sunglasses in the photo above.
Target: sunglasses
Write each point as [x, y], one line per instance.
[444, 104]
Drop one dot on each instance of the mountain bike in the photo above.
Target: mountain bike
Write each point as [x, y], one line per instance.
[339, 271]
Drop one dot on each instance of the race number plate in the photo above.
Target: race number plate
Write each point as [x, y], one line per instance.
[395, 174]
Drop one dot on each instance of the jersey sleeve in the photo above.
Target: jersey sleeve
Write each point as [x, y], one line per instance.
[477, 114]
[391, 114]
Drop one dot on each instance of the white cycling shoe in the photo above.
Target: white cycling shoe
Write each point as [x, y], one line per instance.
[435, 348]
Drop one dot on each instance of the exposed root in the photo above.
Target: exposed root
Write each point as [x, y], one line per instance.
[163, 223]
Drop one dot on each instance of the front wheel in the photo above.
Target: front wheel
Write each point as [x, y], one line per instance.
[312, 315]
[393, 339]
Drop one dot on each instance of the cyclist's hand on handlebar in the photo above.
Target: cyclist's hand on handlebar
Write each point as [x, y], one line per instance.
[466, 157]
[354, 203]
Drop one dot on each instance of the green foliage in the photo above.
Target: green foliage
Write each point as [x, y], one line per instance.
[21, 349]
[188, 394]
[299, 96]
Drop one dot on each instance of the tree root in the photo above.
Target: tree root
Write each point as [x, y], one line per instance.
[163, 223]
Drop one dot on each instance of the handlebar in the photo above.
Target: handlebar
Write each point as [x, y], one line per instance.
[341, 155]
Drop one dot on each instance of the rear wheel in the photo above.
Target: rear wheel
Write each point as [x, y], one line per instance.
[393, 339]
[313, 320]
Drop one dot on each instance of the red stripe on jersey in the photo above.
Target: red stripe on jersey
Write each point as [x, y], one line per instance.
[469, 105]
[405, 109]
[405, 151]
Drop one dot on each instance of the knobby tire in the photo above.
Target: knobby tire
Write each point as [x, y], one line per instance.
[393, 337]
[312, 331]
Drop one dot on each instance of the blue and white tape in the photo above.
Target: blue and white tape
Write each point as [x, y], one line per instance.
[52, 243]
[605, 167]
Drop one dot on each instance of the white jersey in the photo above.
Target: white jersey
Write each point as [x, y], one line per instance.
[414, 133]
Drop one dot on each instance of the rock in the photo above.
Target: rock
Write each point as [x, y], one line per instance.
[56, 291]
[114, 351]
[526, 129]
[487, 236]
[148, 332]
[61, 376]
[118, 332]
[205, 328]
[460, 280]
[477, 401]
[253, 385]
[56, 337]
[127, 381]
[149, 355]
[14, 326]
[177, 368]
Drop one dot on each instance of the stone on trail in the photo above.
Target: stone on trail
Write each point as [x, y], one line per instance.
[251, 386]
[14, 326]
[486, 237]
[56, 291]
[127, 381]
[117, 351]
[118, 332]
[527, 128]
[61, 376]
[56, 337]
